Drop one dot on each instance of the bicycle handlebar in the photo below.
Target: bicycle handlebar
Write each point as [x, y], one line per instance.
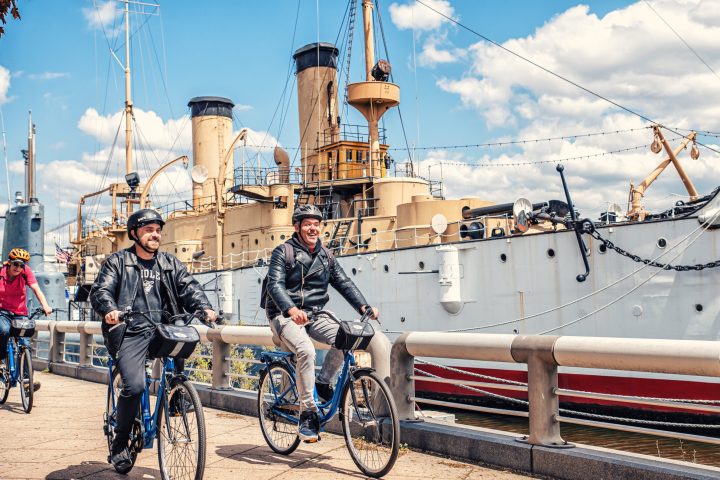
[316, 312]
[179, 319]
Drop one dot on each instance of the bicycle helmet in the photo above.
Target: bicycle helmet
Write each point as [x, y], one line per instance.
[19, 254]
[306, 211]
[143, 217]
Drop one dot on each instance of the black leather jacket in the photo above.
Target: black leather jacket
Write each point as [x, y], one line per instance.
[305, 284]
[117, 284]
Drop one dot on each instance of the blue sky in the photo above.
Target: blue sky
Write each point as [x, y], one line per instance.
[456, 89]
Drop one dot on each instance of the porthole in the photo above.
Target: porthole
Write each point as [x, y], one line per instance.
[184, 249]
[373, 231]
[354, 271]
[272, 237]
[327, 234]
[256, 241]
[421, 265]
[698, 307]
[282, 237]
[602, 248]
[386, 268]
[259, 281]
[550, 253]
[232, 244]
[503, 258]
[662, 242]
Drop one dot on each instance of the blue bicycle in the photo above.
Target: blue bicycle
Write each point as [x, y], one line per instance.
[366, 408]
[177, 419]
[19, 370]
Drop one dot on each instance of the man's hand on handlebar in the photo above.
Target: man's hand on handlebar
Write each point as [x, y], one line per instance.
[210, 318]
[112, 317]
[298, 316]
[375, 315]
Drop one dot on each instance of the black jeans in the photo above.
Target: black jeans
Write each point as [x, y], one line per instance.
[130, 363]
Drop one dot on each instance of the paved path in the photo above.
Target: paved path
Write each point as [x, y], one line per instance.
[62, 439]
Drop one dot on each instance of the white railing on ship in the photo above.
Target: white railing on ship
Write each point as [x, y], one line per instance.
[378, 243]
[542, 355]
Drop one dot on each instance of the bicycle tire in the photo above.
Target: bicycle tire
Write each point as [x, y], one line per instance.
[109, 425]
[25, 380]
[177, 444]
[279, 433]
[4, 385]
[370, 423]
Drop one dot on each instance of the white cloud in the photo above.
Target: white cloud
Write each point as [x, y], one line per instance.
[416, 16]
[4, 84]
[436, 51]
[48, 75]
[101, 15]
[242, 108]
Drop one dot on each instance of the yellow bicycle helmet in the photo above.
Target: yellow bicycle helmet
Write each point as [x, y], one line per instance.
[19, 254]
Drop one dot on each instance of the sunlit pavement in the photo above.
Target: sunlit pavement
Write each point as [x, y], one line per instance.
[62, 439]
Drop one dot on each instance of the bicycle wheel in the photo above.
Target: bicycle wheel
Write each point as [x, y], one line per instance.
[276, 390]
[181, 441]
[25, 380]
[4, 386]
[114, 389]
[370, 424]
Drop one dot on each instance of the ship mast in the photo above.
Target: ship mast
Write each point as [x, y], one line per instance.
[30, 162]
[375, 95]
[128, 99]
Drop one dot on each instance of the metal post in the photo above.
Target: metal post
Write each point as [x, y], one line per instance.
[379, 349]
[85, 347]
[402, 366]
[220, 360]
[56, 345]
[537, 352]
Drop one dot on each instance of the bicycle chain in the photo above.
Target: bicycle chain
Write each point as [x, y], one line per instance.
[588, 227]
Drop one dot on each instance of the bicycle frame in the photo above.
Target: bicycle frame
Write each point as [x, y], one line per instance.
[327, 410]
[149, 420]
[12, 368]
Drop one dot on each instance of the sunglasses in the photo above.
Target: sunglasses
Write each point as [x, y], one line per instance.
[17, 264]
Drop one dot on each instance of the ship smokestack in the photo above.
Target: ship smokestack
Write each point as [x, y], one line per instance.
[316, 69]
[211, 137]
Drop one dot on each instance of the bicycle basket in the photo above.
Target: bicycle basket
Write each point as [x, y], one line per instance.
[22, 327]
[175, 341]
[354, 335]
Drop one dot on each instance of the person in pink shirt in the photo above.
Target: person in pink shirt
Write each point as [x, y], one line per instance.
[15, 275]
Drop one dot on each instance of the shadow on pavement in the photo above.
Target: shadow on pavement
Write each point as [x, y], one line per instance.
[100, 471]
[254, 455]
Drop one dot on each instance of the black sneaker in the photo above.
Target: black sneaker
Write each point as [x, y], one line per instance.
[309, 427]
[120, 457]
[324, 391]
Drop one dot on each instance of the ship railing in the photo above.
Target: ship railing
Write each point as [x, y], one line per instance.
[540, 396]
[416, 235]
[201, 203]
[264, 176]
[348, 132]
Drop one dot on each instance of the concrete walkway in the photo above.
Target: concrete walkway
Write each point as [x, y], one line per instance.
[62, 439]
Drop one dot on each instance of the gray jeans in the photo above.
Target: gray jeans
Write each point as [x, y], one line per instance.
[298, 340]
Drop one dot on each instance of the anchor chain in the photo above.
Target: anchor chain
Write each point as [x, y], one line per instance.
[588, 227]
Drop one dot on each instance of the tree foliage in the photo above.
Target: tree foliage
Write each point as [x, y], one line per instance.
[7, 7]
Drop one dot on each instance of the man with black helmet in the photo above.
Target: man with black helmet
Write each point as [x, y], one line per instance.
[140, 278]
[294, 288]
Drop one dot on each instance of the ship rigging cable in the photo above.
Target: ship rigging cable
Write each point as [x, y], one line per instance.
[547, 70]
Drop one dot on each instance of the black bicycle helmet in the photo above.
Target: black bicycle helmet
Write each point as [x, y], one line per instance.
[143, 217]
[306, 211]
